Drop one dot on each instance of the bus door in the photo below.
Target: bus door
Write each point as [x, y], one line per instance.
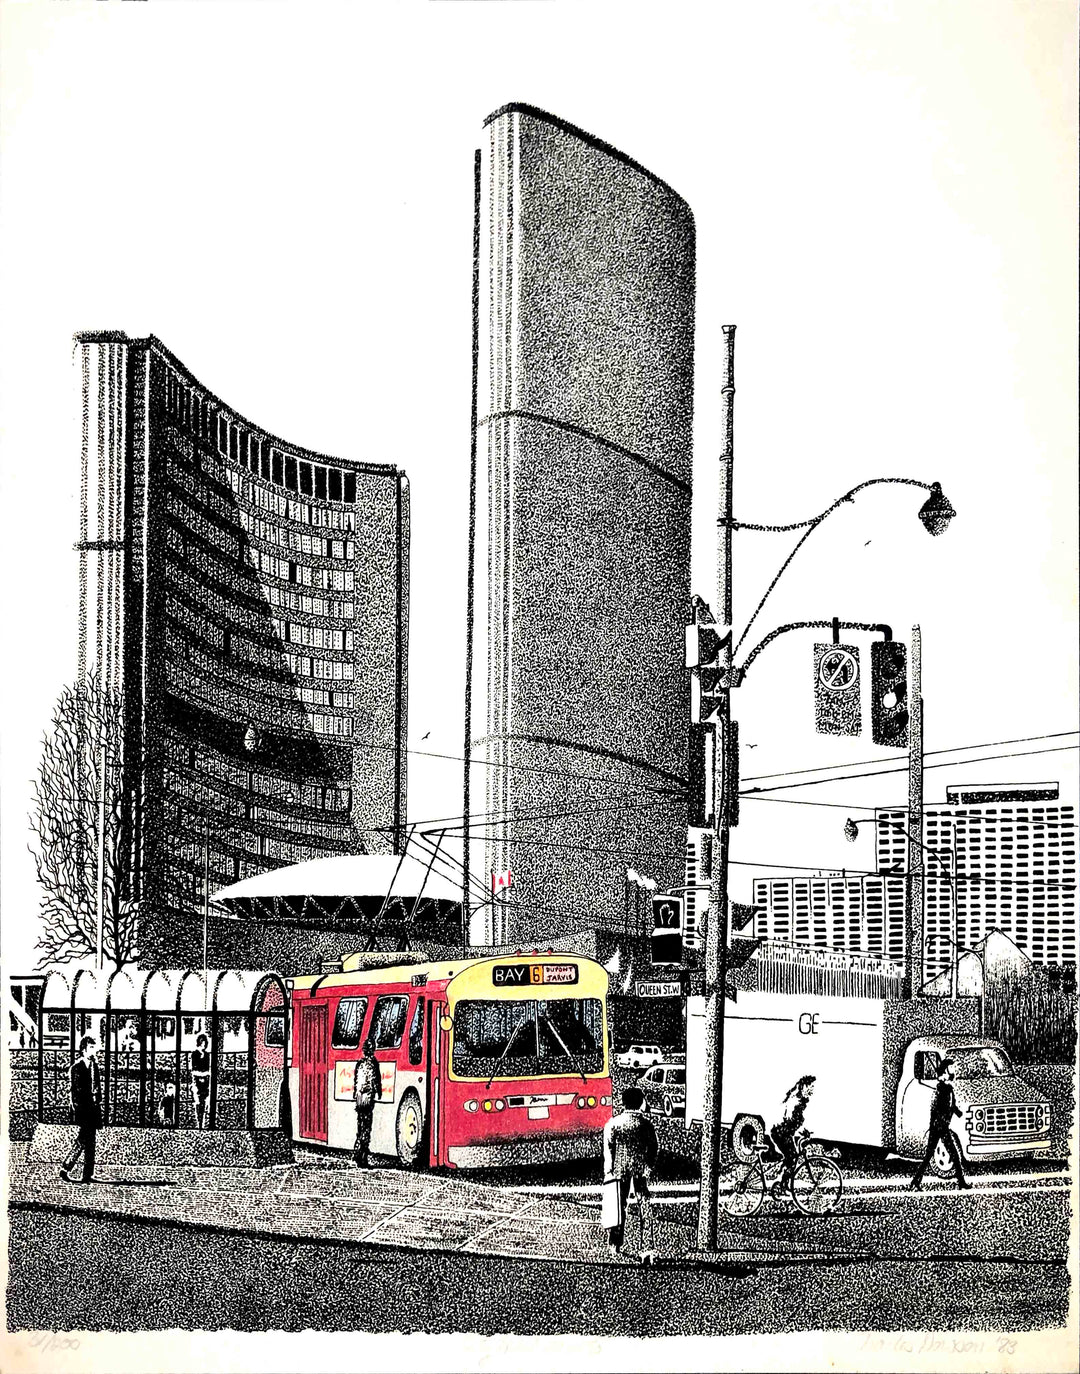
[314, 1066]
[436, 1075]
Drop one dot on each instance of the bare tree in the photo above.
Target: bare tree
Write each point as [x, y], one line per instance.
[81, 850]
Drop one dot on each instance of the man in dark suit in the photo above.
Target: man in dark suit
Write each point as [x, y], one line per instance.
[942, 1110]
[85, 1109]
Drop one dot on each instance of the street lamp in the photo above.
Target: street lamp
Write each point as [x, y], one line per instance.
[851, 832]
[935, 514]
[936, 511]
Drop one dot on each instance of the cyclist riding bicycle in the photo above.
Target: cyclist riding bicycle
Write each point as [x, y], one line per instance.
[789, 1131]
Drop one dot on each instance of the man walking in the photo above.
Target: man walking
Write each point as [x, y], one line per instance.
[367, 1089]
[630, 1150]
[942, 1110]
[85, 1109]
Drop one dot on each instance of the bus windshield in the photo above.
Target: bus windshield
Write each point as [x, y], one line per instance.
[528, 1039]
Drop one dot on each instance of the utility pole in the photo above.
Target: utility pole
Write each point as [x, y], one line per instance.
[723, 787]
[915, 911]
[104, 772]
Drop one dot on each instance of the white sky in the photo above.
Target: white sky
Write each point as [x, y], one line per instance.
[885, 204]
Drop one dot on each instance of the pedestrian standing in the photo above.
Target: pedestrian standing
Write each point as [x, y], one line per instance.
[367, 1089]
[85, 1092]
[166, 1108]
[200, 1078]
[629, 1155]
[942, 1110]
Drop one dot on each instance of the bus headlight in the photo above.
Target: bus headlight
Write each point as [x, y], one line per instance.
[499, 1104]
[487, 1104]
[592, 1101]
[605, 1102]
[472, 1105]
[581, 1102]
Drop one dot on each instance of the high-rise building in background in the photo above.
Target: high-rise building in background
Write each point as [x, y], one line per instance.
[1005, 857]
[577, 703]
[996, 858]
[249, 599]
[860, 914]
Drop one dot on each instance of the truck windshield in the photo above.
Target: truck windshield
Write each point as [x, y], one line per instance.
[528, 1039]
[980, 1061]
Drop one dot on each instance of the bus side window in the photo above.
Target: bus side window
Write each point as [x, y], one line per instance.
[416, 1034]
[388, 1021]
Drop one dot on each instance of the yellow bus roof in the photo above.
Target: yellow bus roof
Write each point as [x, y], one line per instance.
[353, 970]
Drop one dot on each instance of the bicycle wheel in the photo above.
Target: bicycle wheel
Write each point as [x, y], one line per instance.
[746, 1193]
[817, 1185]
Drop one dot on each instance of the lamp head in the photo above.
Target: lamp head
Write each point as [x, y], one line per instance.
[936, 511]
[851, 830]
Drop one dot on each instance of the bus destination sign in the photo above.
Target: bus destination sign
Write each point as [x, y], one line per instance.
[523, 975]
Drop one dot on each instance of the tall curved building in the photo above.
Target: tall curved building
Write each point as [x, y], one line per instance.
[578, 703]
[249, 600]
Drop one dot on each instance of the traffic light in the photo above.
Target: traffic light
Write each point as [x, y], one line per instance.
[709, 680]
[667, 937]
[836, 689]
[888, 693]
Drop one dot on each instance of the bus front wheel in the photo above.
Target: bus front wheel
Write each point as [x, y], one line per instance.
[410, 1131]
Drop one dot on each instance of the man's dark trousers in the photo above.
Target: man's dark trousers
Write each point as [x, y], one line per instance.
[85, 1145]
[364, 1116]
[86, 1110]
[942, 1111]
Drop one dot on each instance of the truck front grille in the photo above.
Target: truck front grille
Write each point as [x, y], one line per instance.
[1010, 1119]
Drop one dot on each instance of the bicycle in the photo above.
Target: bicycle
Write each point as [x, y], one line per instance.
[816, 1185]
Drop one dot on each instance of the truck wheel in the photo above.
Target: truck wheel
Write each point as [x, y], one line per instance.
[410, 1131]
[747, 1137]
[940, 1163]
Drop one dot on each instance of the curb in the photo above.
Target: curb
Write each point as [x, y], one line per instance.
[736, 1259]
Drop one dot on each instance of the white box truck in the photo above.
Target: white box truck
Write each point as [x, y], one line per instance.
[875, 1061]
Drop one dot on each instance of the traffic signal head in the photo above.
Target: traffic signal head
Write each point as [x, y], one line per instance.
[707, 648]
[666, 944]
[888, 693]
[667, 913]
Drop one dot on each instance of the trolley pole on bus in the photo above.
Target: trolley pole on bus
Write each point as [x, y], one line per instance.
[724, 787]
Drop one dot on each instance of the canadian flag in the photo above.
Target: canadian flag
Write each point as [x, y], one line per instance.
[501, 880]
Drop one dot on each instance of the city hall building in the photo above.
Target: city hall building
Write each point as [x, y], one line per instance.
[248, 599]
[577, 714]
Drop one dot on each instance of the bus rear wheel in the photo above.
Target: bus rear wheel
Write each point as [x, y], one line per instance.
[410, 1131]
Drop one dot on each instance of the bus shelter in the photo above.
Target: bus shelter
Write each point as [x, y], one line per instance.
[148, 1025]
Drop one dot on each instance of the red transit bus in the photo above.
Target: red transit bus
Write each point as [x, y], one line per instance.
[483, 1062]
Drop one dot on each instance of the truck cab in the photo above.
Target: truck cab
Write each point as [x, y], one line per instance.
[1001, 1116]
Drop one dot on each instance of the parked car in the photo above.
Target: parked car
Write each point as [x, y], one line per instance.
[640, 1057]
[664, 1086]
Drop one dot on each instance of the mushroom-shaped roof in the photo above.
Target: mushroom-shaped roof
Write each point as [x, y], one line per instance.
[347, 875]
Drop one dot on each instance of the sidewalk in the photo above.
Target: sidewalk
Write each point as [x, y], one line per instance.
[333, 1201]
